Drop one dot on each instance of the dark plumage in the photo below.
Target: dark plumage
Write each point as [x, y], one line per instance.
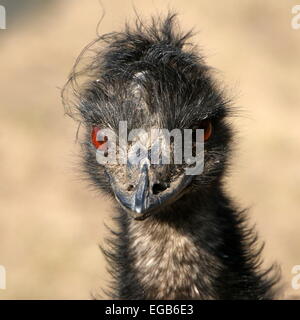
[192, 243]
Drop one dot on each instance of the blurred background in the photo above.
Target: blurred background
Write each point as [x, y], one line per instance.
[50, 222]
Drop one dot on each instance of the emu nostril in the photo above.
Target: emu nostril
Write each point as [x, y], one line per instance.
[159, 187]
[130, 187]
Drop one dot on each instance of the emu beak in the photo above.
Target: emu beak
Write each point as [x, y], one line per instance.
[137, 201]
[141, 201]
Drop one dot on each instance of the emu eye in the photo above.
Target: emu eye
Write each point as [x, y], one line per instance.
[207, 127]
[95, 139]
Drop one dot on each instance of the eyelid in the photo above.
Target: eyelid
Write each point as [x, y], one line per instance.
[208, 130]
[205, 124]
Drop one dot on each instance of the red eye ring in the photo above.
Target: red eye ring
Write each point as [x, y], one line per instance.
[97, 144]
[207, 127]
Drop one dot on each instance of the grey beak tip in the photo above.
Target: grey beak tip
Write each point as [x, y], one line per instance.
[137, 209]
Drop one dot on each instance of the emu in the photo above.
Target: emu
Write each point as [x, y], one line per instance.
[179, 236]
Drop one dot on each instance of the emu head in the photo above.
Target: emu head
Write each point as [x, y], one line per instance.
[144, 80]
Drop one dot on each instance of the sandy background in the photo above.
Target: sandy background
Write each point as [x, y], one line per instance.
[50, 222]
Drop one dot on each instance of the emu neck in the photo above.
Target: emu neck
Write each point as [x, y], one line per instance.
[191, 251]
[168, 258]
